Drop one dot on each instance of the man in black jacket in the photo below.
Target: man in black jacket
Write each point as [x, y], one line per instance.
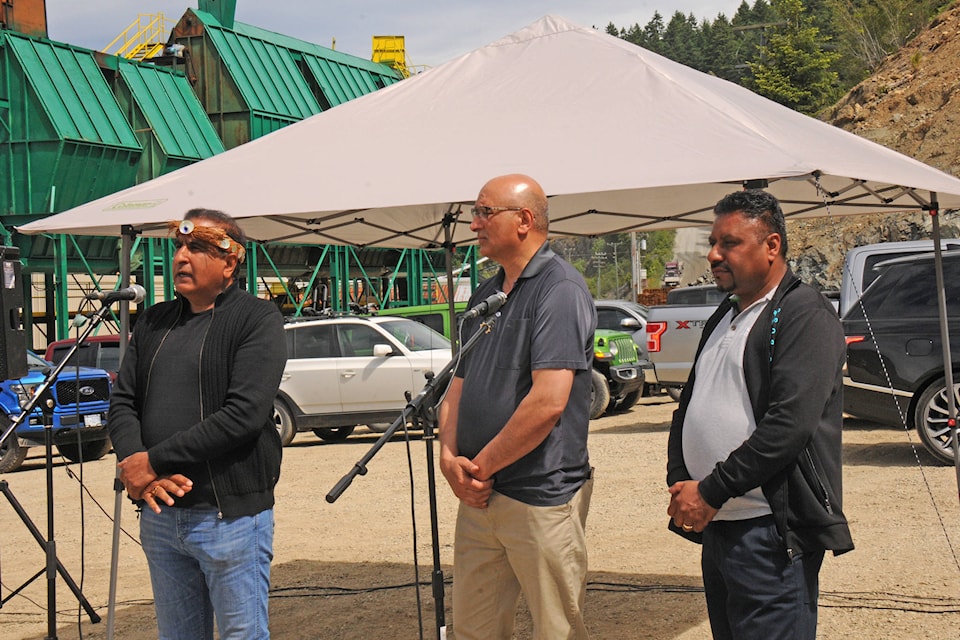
[191, 422]
[753, 466]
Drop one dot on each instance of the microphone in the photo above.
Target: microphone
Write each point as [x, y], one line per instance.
[488, 307]
[134, 292]
[78, 321]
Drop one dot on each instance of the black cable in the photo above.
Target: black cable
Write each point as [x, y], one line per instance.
[896, 399]
[873, 600]
[93, 499]
[413, 519]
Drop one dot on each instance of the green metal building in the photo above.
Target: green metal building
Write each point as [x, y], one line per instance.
[76, 125]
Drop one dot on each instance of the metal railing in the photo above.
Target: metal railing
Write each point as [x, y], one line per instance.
[143, 39]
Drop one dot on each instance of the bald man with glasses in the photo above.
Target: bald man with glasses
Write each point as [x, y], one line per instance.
[513, 430]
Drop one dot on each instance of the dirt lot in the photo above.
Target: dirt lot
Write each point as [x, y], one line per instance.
[344, 570]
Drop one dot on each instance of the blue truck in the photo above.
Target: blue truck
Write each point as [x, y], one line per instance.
[81, 399]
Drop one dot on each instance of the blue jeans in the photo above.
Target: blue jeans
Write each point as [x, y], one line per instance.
[754, 590]
[201, 566]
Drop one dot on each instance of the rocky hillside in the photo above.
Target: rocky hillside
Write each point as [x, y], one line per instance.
[911, 104]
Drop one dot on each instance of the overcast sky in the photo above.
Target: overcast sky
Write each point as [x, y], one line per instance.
[435, 31]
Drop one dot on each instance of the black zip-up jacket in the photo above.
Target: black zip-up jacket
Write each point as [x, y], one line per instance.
[242, 359]
[793, 363]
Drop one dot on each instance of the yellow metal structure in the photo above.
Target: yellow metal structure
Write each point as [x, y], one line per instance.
[143, 39]
[391, 50]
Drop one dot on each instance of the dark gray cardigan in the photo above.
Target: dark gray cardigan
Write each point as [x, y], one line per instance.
[242, 359]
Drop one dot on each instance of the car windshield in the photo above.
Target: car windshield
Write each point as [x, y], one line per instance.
[636, 308]
[35, 362]
[909, 290]
[414, 335]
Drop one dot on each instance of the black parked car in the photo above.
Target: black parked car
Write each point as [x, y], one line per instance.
[894, 350]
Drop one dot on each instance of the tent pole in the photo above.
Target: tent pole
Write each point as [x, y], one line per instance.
[448, 247]
[934, 212]
[126, 245]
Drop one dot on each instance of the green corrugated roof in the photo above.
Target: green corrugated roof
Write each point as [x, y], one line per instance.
[265, 73]
[172, 109]
[264, 65]
[303, 46]
[72, 91]
[340, 83]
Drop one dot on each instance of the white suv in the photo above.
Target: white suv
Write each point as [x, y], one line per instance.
[351, 370]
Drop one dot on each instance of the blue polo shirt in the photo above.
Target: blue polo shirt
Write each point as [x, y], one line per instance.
[547, 323]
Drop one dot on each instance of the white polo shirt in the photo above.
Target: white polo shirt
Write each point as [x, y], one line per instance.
[719, 417]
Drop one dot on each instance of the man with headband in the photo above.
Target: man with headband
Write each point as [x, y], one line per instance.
[191, 423]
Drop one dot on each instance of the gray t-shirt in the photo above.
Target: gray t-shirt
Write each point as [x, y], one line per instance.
[547, 323]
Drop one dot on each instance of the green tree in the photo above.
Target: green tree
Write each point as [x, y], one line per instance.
[633, 35]
[750, 26]
[867, 31]
[613, 272]
[721, 50]
[794, 68]
[803, 55]
[681, 40]
[649, 37]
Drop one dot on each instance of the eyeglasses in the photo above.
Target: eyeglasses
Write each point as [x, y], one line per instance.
[485, 213]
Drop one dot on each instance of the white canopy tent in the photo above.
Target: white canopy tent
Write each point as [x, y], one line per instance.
[619, 137]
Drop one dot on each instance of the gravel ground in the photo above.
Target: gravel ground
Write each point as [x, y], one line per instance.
[345, 570]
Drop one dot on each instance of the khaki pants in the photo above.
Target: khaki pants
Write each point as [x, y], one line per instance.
[511, 546]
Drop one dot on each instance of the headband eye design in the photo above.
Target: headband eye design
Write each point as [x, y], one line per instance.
[214, 238]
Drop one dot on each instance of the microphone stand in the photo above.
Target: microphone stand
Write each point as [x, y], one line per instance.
[53, 564]
[422, 408]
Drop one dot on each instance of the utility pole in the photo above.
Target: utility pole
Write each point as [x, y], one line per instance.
[599, 259]
[642, 271]
[616, 270]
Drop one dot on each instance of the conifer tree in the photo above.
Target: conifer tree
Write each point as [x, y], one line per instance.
[794, 68]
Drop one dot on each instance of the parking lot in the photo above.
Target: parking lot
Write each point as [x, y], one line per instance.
[337, 565]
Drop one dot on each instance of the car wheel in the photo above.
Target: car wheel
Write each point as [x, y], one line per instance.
[629, 400]
[283, 419]
[599, 394]
[334, 434]
[674, 393]
[12, 454]
[930, 418]
[379, 427]
[86, 451]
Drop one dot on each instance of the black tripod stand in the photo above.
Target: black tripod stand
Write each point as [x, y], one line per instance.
[44, 398]
[422, 408]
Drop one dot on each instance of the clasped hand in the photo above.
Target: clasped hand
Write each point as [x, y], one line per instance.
[687, 507]
[142, 482]
[464, 478]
